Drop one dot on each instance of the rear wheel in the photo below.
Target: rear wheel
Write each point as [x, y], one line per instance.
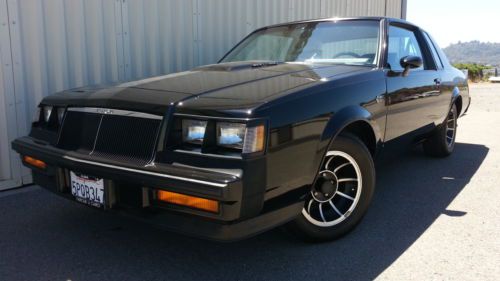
[341, 193]
[442, 142]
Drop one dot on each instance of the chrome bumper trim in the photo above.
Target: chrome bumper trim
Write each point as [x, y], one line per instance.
[145, 172]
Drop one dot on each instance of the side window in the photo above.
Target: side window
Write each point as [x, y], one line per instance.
[437, 59]
[402, 43]
[442, 55]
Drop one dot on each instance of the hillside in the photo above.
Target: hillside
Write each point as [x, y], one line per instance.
[474, 52]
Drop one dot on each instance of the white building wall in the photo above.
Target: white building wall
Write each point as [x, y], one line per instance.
[52, 45]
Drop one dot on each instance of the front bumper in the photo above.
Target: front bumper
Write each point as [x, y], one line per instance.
[241, 214]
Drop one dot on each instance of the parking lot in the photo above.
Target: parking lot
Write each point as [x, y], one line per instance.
[431, 219]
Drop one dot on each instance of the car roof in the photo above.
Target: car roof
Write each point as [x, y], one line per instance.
[339, 19]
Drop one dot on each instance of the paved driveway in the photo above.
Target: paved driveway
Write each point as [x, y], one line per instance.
[430, 219]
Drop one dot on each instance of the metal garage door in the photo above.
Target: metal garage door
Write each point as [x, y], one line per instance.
[10, 166]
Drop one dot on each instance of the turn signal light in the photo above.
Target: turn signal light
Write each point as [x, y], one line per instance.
[254, 139]
[34, 162]
[189, 201]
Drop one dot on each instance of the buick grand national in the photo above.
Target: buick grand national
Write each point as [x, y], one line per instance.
[283, 130]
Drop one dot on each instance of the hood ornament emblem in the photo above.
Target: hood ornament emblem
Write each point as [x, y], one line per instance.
[105, 111]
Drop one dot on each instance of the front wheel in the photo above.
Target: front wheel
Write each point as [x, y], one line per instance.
[341, 193]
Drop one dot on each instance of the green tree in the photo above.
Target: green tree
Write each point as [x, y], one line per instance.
[475, 70]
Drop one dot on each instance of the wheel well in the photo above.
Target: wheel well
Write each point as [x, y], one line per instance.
[458, 102]
[364, 132]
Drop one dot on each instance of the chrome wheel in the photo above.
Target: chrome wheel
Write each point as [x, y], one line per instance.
[451, 126]
[336, 192]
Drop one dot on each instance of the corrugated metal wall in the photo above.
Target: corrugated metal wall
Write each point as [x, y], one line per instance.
[51, 45]
[10, 166]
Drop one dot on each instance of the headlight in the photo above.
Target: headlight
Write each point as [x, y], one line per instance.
[223, 136]
[47, 112]
[193, 131]
[60, 114]
[239, 136]
[231, 134]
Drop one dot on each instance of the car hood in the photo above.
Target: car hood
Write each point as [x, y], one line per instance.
[239, 85]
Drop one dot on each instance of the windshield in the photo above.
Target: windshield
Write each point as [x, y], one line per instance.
[341, 42]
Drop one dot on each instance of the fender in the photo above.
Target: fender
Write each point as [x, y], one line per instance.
[339, 121]
[455, 94]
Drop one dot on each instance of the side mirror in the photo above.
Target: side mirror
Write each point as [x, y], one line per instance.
[410, 62]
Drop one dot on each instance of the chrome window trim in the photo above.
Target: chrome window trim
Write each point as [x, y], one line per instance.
[146, 172]
[111, 111]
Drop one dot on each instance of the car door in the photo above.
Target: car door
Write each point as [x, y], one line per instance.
[413, 101]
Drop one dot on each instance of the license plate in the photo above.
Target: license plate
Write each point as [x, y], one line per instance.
[87, 189]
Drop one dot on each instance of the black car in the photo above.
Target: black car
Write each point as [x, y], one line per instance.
[283, 130]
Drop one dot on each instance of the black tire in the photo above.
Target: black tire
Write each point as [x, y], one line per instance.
[305, 226]
[442, 141]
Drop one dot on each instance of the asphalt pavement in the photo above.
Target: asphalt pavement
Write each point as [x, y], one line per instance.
[431, 219]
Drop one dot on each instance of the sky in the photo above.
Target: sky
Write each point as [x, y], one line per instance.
[450, 21]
